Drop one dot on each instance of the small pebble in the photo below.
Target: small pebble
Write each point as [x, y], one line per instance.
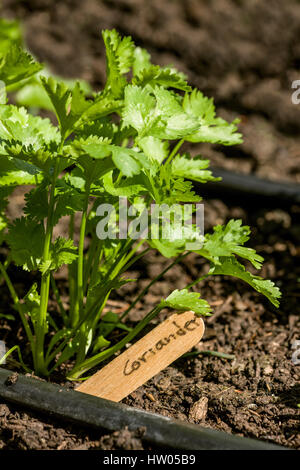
[198, 410]
[268, 370]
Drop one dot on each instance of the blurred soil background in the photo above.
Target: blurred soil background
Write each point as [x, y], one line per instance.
[246, 54]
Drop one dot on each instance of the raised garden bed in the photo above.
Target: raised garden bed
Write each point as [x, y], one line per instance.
[255, 394]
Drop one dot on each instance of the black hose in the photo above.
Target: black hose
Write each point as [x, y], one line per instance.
[98, 413]
[250, 189]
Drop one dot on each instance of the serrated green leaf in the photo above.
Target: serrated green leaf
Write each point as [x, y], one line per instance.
[26, 240]
[138, 105]
[194, 169]
[154, 148]
[68, 199]
[157, 113]
[32, 298]
[166, 77]
[211, 129]
[127, 160]
[31, 305]
[227, 240]
[62, 251]
[125, 188]
[37, 203]
[119, 60]
[102, 128]
[33, 94]
[181, 191]
[168, 248]
[28, 138]
[17, 65]
[60, 97]
[71, 106]
[183, 300]
[229, 266]
[123, 49]
[16, 172]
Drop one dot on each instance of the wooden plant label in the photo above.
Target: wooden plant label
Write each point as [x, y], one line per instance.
[151, 354]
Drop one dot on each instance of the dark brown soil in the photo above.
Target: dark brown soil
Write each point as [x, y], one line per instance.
[245, 53]
[22, 430]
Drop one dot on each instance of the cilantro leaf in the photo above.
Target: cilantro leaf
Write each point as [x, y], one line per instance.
[156, 149]
[68, 199]
[138, 105]
[127, 187]
[119, 59]
[71, 106]
[231, 267]
[33, 93]
[181, 191]
[211, 129]
[227, 240]
[168, 248]
[31, 305]
[194, 169]
[62, 251]
[101, 128]
[16, 65]
[165, 77]
[28, 138]
[183, 300]
[157, 113]
[172, 230]
[15, 172]
[145, 73]
[26, 239]
[128, 161]
[60, 96]
[37, 203]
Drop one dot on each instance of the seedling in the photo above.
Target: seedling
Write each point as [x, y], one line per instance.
[123, 141]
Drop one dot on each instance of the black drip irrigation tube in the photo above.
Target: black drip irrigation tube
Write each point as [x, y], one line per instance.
[250, 189]
[89, 411]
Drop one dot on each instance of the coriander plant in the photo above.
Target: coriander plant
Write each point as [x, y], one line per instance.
[123, 141]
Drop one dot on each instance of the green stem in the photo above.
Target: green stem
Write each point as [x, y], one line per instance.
[174, 151]
[172, 154]
[127, 266]
[197, 280]
[126, 261]
[84, 319]
[95, 360]
[90, 309]
[145, 290]
[40, 327]
[94, 272]
[210, 353]
[21, 363]
[5, 265]
[79, 298]
[71, 277]
[92, 260]
[58, 300]
[18, 306]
